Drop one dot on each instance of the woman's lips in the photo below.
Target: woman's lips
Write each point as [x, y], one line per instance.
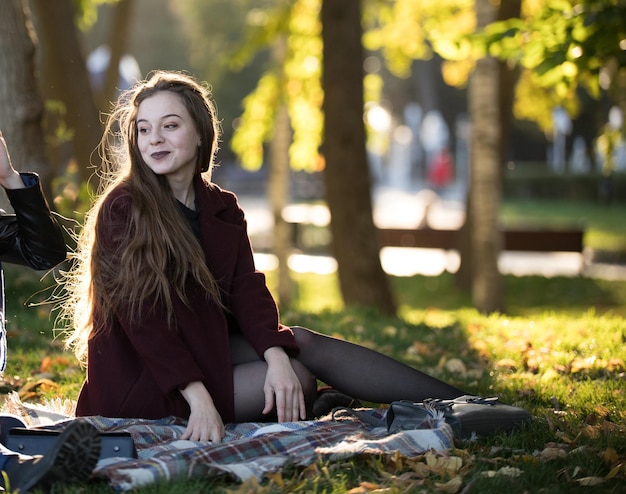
[159, 155]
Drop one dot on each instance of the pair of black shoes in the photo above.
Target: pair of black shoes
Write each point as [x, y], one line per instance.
[71, 458]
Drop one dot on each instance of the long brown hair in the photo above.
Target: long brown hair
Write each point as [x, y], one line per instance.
[157, 252]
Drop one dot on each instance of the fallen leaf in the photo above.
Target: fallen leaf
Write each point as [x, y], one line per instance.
[549, 375]
[452, 486]
[421, 469]
[456, 366]
[553, 454]
[510, 472]
[506, 364]
[311, 471]
[615, 470]
[419, 348]
[276, 478]
[578, 365]
[442, 465]
[590, 481]
[564, 437]
[504, 471]
[610, 456]
[615, 364]
[46, 364]
[358, 490]
[33, 387]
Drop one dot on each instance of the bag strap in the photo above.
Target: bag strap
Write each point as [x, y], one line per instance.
[362, 415]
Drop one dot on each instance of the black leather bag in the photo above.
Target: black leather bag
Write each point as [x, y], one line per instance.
[38, 442]
[467, 415]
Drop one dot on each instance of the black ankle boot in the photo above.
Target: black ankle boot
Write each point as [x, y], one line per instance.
[71, 458]
[329, 398]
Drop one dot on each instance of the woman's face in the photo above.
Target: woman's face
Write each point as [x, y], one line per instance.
[167, 136]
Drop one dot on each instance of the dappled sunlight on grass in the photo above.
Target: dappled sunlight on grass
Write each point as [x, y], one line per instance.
[559, 352]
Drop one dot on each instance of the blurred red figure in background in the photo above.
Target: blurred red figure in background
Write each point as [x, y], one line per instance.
[441, 170]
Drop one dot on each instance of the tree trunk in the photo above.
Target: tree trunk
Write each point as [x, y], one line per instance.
[348, 186]
[20, 100]
[65, 79]
[485, 184]
[506, 91]
[507, 79]
[118, 42]
[279, 187]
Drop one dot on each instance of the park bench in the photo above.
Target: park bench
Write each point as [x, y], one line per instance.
[310, 233]
[522, 239]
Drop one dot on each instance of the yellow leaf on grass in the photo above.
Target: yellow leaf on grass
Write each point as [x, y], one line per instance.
[452, 486]
[421, 469]
[419, 348]
[590, 481]
[39, 384]
[578, 365]
[311, 471]
[368, 488]
[46, 364]
[610, 456]
[276, 478]
[564, 437]
[506, 363]
[615, 470]
[615, 364]
[550, 375]
[442, 465]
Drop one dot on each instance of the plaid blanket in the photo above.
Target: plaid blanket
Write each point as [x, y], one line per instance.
[248, 450]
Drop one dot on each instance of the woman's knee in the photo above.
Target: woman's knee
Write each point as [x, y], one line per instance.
[304, 337]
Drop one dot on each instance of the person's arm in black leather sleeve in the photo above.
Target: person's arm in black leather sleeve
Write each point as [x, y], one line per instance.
[31, 236]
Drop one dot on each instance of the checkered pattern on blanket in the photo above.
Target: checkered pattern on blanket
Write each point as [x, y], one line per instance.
[249, 449]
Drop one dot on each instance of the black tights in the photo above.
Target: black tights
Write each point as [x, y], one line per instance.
[364, 373]
[352, 369]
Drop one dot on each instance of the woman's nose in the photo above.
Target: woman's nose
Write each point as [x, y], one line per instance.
[155, 137]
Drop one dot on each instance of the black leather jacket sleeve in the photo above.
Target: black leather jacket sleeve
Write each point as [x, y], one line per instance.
[31, 236]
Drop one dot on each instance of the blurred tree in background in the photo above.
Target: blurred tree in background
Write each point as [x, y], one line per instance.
[554, 54]
[21, 103]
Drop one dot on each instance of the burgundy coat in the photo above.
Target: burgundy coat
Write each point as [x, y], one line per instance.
[136, 370]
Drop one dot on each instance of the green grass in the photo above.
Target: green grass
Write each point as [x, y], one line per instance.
[559, 351]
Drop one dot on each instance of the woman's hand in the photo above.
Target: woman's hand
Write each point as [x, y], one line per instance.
[205, 423]
[282, 387]
[9, 178]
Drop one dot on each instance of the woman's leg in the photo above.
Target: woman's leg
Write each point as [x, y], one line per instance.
[366, 374]
[249, 377]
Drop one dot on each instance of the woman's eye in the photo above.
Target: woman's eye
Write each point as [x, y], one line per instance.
[142, 130]
[171, 126]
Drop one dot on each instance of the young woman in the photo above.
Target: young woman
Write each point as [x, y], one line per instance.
[167, 307]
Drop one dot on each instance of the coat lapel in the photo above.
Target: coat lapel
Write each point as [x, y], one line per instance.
[220, 237]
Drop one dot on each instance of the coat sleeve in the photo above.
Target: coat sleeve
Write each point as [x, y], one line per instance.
[162, 349]
[249, 299]
[31, 236]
